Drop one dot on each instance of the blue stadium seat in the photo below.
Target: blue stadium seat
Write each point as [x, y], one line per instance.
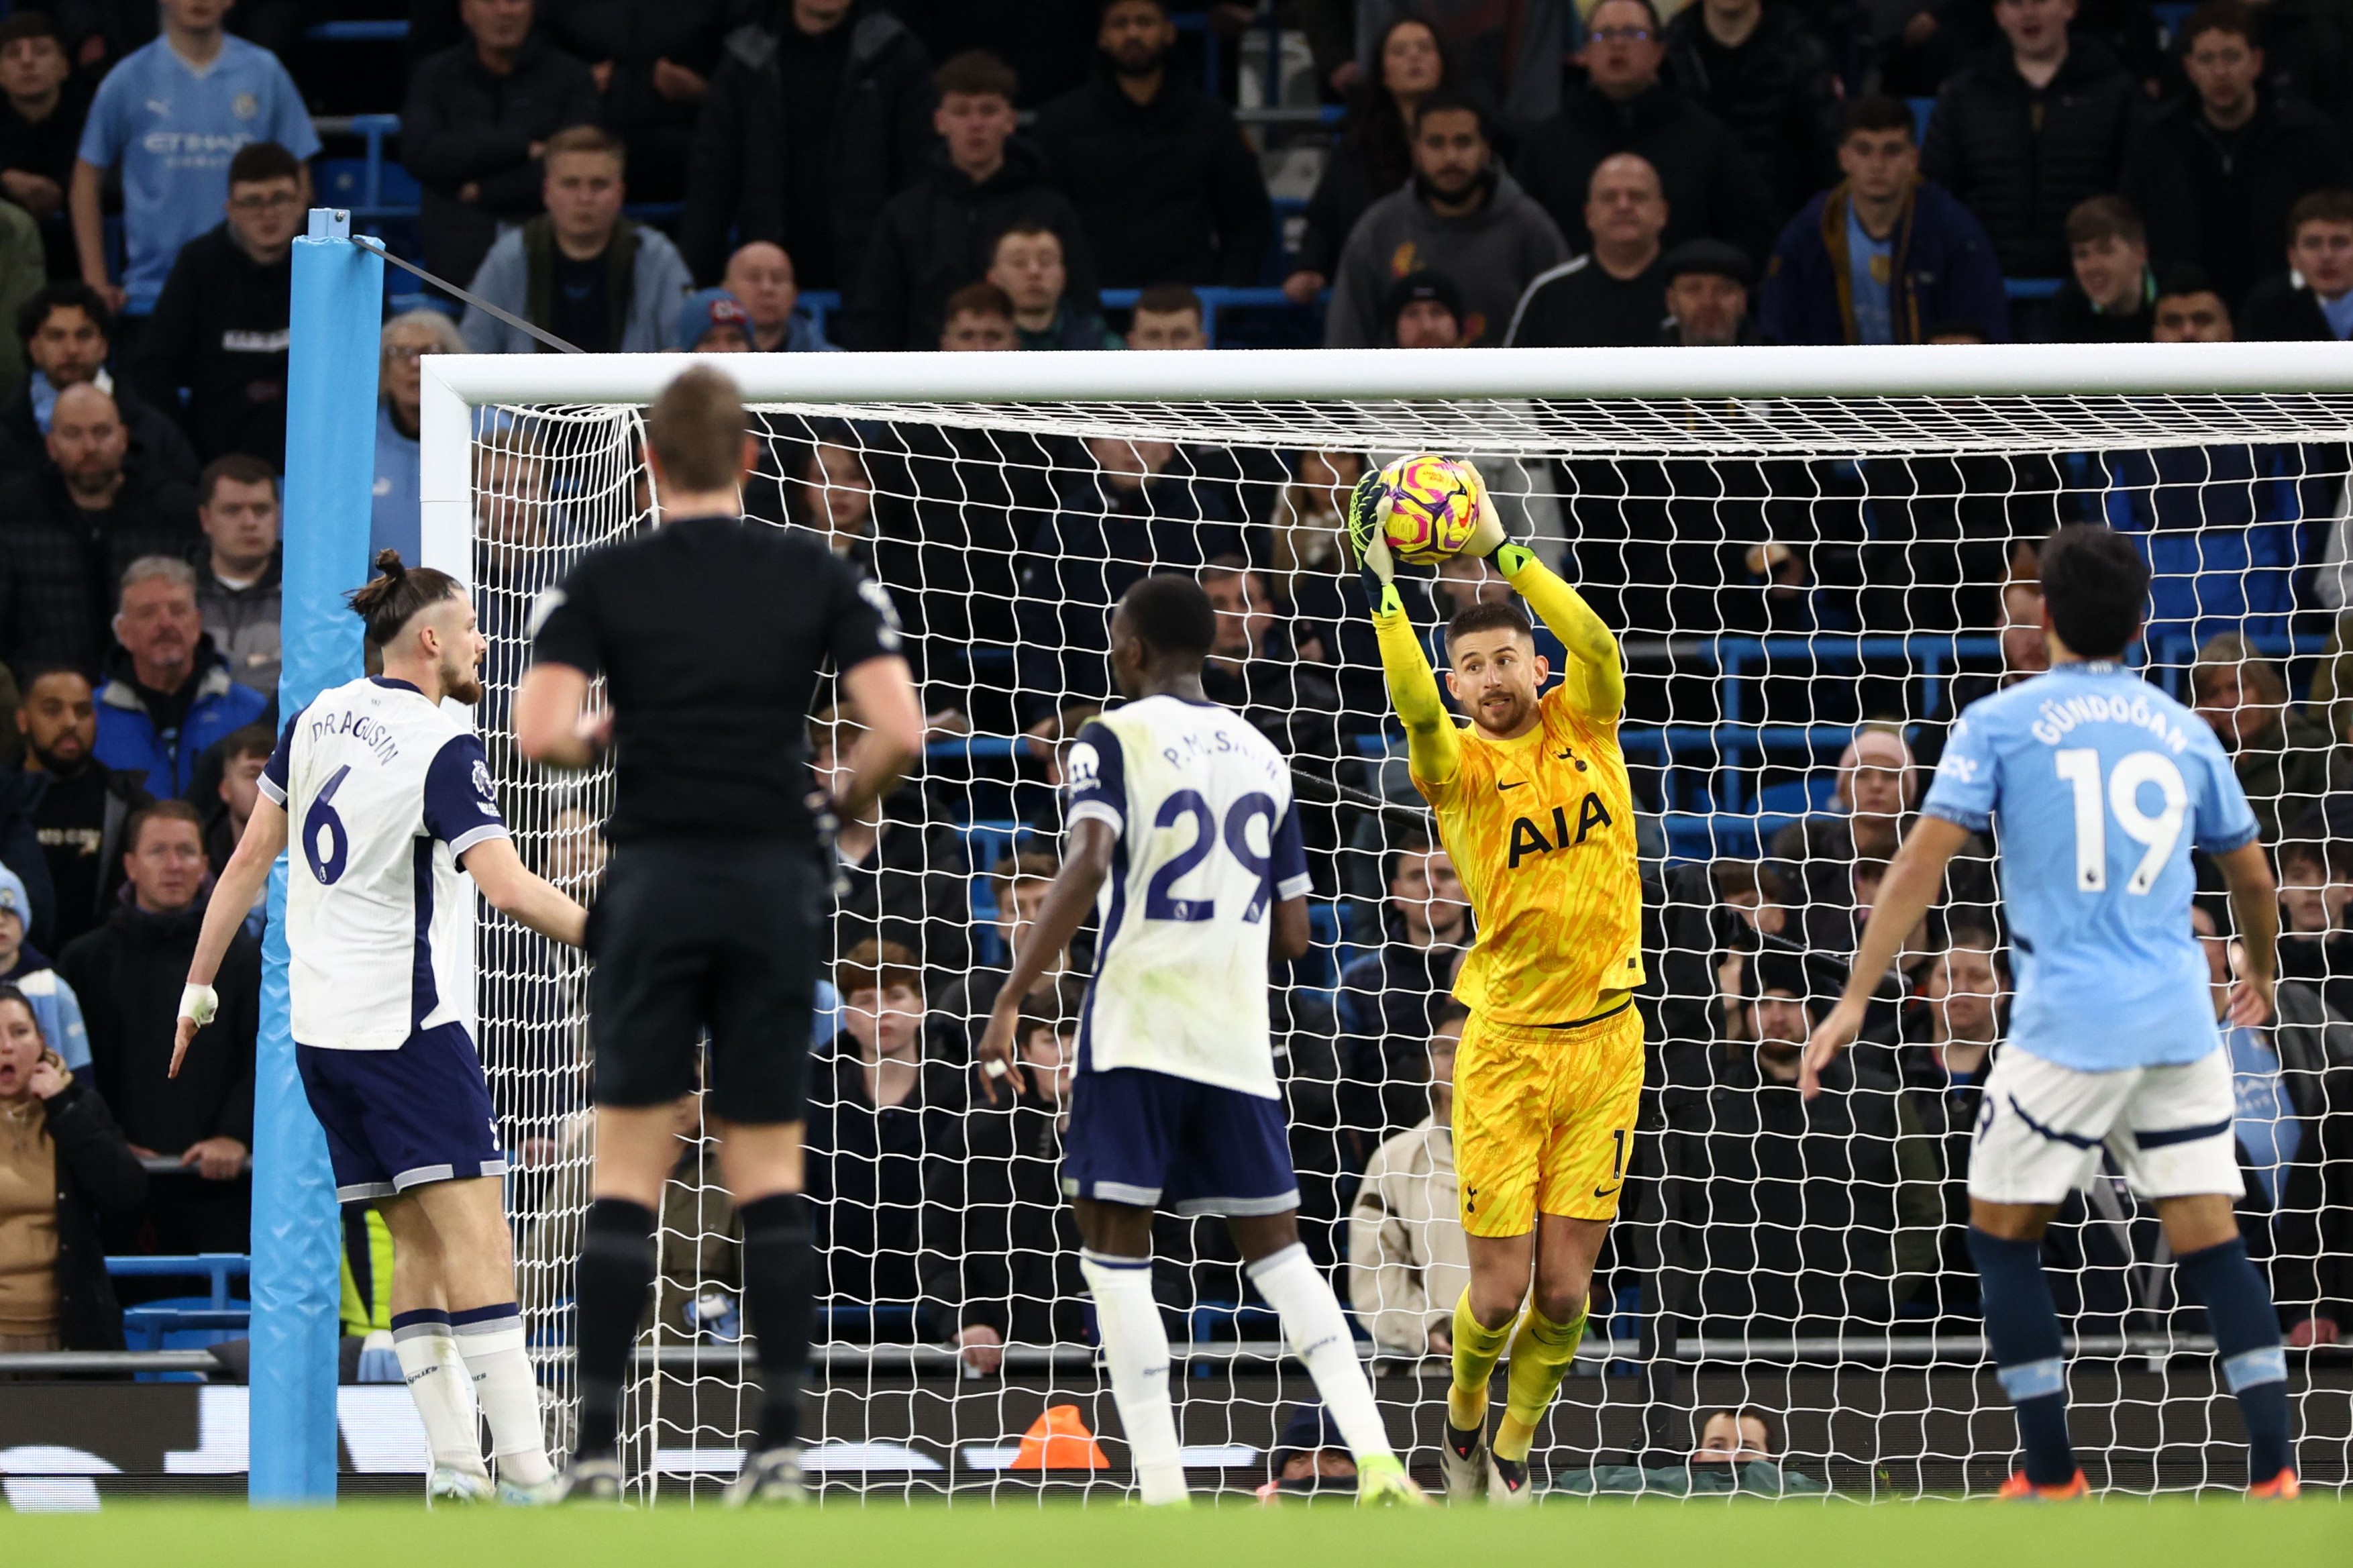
[1921, 107]
[878, 1322]
[185, 1323]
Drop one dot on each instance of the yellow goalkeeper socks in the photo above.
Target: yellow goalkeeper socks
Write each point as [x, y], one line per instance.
[1541, 1353]
[1476, 1351]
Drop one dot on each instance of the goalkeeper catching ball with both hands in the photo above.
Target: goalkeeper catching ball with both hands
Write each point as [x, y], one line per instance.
[1534, 805]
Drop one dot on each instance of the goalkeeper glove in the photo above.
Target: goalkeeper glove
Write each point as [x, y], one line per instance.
[1488, 539]
[1368, 505]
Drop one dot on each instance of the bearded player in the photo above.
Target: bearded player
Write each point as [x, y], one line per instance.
[1532, 802]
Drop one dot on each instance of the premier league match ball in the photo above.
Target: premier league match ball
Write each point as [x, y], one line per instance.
[1431, 506]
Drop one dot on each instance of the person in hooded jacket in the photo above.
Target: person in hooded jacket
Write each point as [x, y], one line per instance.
[1461, 216]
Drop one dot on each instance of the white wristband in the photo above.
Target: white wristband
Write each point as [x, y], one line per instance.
[200, 1004]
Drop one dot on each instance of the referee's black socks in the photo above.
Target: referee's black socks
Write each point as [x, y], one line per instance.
[617, 1269]
[778, 1265]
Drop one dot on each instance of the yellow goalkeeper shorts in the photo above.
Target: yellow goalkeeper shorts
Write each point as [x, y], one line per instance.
[1543, 1119]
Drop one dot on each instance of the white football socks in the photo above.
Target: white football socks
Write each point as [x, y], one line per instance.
[1136, 1349]
[444, 1392]
[1318, 1333]
[490, 1339]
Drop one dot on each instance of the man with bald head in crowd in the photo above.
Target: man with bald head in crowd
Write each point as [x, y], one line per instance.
[761, 276]
[1614, 296]
[70, 528]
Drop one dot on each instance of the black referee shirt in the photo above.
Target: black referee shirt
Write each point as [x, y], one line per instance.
[710, 633]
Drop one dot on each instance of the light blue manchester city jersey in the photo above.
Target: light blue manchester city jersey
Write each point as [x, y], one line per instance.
[2099, 787]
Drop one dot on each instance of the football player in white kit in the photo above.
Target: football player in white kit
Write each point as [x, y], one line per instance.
[394, 796]
[1181, 817]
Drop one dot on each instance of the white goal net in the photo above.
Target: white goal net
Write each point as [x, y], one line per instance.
[1814, 560]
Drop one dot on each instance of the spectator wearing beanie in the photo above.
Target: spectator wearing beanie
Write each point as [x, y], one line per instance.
[1423, 311]
[1883, 255]
[55, 1007]
[1707, 295]
[1169, 189]
[220, 328]
[942, 232]
[1609, 296]
[2313, 299]
[2217, 169]
[1461, 216]
[2107, 300]
[815, 119]
[473, 127]
[1710, 183]
[1761, 71]
[713, 321]
[2039, 122]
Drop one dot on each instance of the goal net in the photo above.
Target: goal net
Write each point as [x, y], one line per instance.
[1814, 560]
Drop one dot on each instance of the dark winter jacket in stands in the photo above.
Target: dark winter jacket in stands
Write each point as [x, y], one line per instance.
[2282, 309]
[74, 873]
[1015, 1265]
[47, 148]
[1943, 270]
[60, 565]
[219, 329]
[877, 1234]
[1777, 92]
[940, 232]
[1169, 190]
[1581, 304]
[129, 973]
[2021, 157]
[1356, 174]
[2221, 198]
[1105, 539]
[98, 1177]
[156, 443]
[631, 35]
[1713, 190]
[1794, 1206]
[742, 175]
[910, 889]
[462, 125]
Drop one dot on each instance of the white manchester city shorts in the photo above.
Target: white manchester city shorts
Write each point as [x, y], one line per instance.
[2042, 1126]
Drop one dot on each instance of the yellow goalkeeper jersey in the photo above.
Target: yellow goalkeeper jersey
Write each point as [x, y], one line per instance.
[1540, 829]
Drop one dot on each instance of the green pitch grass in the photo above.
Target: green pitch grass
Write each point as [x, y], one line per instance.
[2212, 1532]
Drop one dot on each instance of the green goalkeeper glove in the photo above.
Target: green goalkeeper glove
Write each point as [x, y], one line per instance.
[1367, 507]
[1488, 539]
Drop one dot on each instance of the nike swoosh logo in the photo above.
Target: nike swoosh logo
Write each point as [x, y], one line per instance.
[1612, 1192]
[1565, 753]
[1499, 788]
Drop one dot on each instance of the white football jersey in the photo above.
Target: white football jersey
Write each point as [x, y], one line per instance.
[1208, 841]
[383, 792]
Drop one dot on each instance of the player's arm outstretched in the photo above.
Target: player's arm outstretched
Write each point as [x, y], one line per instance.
[1433, 744]
[512, 888]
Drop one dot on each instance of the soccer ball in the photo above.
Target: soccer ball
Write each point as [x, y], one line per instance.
[1431, 504]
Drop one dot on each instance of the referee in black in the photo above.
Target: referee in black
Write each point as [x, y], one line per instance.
[710, 632]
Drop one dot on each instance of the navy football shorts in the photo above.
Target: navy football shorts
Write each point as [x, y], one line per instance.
[1151, 1140]
[398, 1120]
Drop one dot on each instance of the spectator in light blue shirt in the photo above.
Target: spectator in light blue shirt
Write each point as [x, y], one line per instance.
[172, 114]
[55, 1007]
[395, 521]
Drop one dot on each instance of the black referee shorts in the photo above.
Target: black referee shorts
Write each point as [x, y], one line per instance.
[689, 935]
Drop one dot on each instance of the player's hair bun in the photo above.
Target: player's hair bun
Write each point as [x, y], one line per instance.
[396, 593]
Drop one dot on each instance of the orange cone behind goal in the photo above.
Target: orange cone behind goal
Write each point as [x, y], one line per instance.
[1059, 1440]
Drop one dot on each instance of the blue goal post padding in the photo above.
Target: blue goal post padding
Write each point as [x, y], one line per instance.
[297, 1284]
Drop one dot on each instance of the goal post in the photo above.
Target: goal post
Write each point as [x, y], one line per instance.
[1903, 482]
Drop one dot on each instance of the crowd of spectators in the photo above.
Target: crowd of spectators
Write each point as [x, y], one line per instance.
[630, 177]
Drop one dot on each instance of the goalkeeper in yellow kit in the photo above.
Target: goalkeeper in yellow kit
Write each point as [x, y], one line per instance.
[1532, 802]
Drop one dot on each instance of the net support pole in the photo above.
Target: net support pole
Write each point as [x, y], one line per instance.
[330, 397]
